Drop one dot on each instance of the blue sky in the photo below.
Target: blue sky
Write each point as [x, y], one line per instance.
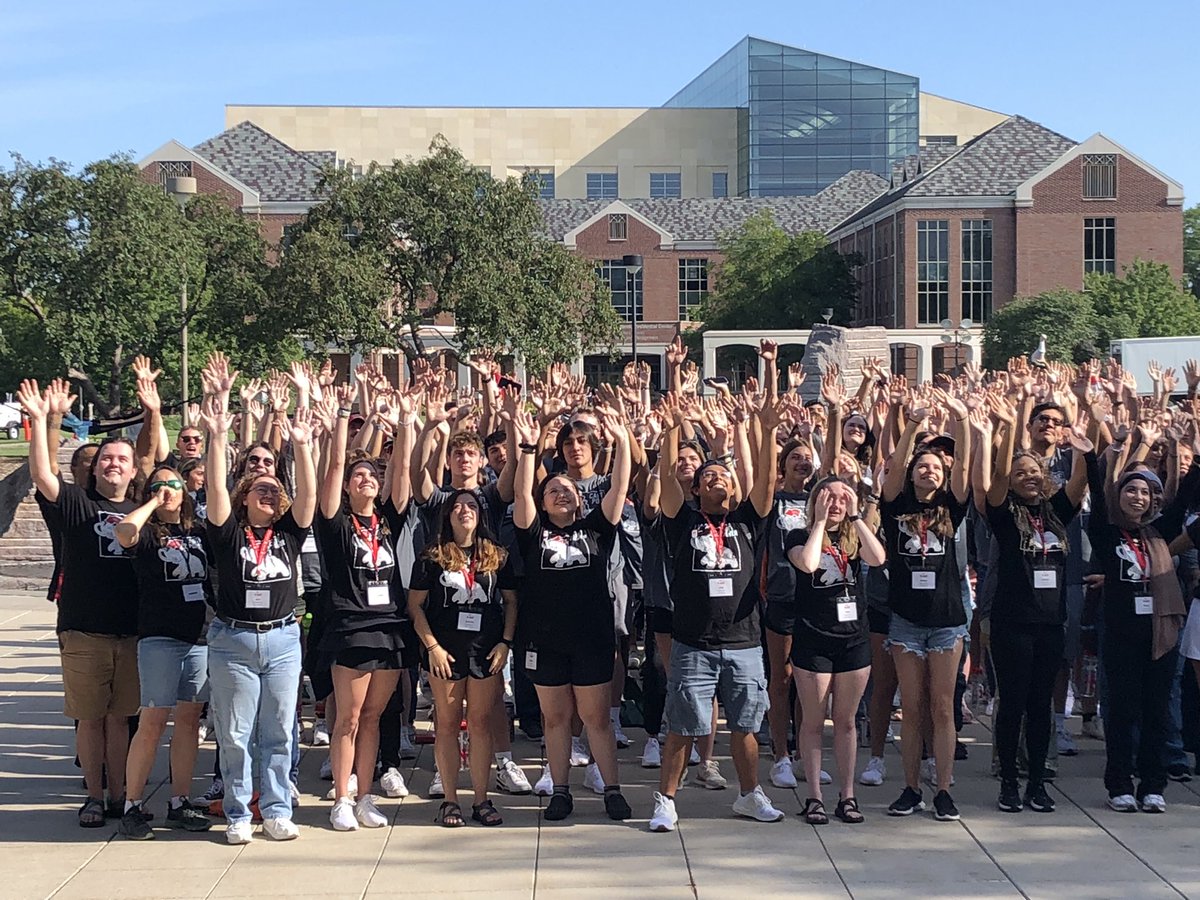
[80, 80]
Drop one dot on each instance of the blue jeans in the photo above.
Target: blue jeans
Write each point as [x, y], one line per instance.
[254, 678]
[696, 676]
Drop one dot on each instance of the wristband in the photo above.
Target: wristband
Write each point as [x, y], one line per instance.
[507, 642]
[343, 413]
[431, 647]
[874, 498]
[527, 448]
[854, 518]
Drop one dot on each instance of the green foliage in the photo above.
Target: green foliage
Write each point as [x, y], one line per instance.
[1067, 318]
[435, 238]
[771, 280]
[1191, 250]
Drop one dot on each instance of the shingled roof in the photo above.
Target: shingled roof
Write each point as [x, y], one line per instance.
[263, 162]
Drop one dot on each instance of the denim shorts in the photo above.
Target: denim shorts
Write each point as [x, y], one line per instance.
[172, 671]
[920, 639]
[696, 676]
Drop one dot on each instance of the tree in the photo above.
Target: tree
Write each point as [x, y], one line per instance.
[772, 280]
[1145, 301]
[405, 244]
[1191, 249]
[1067, 318]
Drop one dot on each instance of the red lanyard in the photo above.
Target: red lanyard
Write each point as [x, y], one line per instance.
[1038, 526]
[840, 559]
[1136, 545]
[718, 536]
[371, 540]
[260, 549]
[469, 574]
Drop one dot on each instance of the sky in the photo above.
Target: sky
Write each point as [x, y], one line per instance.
[83, 79]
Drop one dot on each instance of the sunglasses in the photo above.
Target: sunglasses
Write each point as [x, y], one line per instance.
[190, 438]
[260, 461]
[173, 483]
[1050, 420]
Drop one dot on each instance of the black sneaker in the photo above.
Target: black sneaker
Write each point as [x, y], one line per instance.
[532, 730]
[187, 817]
[944, 809]
[115, 809]
[1037, 799]
[135, 826]
[616, 806]
[559, 807]
[960, 751]
[1180, 773]
[908, 803]
[1010, 797]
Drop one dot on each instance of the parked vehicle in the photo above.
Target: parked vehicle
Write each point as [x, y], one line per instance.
[1169, 352]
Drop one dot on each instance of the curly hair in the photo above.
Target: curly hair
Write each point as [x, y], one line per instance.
[489, 555]
[187, 508]
[237, 497]
[846, 533]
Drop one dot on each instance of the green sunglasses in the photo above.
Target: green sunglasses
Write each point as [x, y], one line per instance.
[173, 483]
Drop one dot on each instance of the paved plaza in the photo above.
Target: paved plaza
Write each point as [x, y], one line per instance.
[1081, 851]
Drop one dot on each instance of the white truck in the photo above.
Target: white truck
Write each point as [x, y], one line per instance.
[1169, 352]
[10, 419]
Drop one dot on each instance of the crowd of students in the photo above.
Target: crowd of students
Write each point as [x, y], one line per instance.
[787, 560]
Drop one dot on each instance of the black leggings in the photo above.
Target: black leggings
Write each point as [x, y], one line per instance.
[1027, 659]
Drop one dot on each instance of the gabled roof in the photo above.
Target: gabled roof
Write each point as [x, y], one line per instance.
[1098, 143]
[264, 162]
[173, 151]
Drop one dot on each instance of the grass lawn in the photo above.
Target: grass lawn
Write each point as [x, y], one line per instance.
[14, 448]
[21, 448]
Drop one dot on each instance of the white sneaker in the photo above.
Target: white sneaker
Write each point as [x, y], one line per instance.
[1066, 743]
[351, 789]
[664, 817]
[890, 737]
[593, 780]
[874, 773]
[320, 734]
[694, 758]
[798, 769]
[341, 817]
[202, 731]
[392, 783]
[709, 775]
[1154, 803]
[1123, 803]
[408, 750]
[1093, 728]
[281, 829]
[436, 791]
[652, 754]
[756, 805]
[782, 775]
[294, 789]
[368, 813]
[239, 833]
[510, 778]
[545, 784]
[327, 769]
[622, 740]
[929, 773]
[579, 753]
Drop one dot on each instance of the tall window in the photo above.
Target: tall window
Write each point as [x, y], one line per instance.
[618, 226]
[626, 291]
[182, 169]
[1099, 176]
[693, 286]
[720, 184]
[977, 269]
[602, 185]
[1100, 245]
[933, 271]
[665, 184]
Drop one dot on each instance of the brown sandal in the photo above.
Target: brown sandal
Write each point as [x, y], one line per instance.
[485, 813]
[847, 811]
[91, 814]
[814, 812]
[450, 815]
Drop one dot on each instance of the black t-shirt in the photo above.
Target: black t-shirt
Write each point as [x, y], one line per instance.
[253, 591]
[465, 612]
[346, 543]
[1030, 568]
[174, 597]
[565, 601]
[925, 582]
[789, 512]
[99, 589]
[819, 594]
[712, 581]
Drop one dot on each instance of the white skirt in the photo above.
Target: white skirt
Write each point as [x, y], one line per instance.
[1189, 644]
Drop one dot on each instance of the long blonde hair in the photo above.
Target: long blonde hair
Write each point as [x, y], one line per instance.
[846, 534]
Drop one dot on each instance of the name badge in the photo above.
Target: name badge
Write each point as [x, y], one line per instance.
[923, 580]
[310, 544]
[847, 611]
[258, 599]
[193, 592]
[531, 660]
[1144, 605]
[720, 587]
[378, 593]
[1045, 578]
[470, 621]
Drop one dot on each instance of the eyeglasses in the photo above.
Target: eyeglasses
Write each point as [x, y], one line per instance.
[1049, 420]
[190, 438]
[265, 490]
[173, 483]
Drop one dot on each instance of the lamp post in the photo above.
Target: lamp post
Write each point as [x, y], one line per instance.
[633, 265]
[182, 188]
[953, 335]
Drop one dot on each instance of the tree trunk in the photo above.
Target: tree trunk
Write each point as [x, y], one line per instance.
[88, 392]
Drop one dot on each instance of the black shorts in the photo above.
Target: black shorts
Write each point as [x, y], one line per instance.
[821, 653]
[661, 619]
[780, 617]
[878, 621]
[583, 667]
[468, 663]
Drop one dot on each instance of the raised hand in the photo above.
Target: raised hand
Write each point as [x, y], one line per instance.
[772, 415]
[36, 406]
[435, 404]
[216, 417]
[821, 506]
[1154, 370]
[525, 427]
[1079, 440]
[676, 352]
[1169, 381]
[302, 430]
[59, 396]
[768, 349]
[301, 378]
[833, 391]
[690, 375]
[143, 368]
[147, 392]
[218, 374]
[796, 376]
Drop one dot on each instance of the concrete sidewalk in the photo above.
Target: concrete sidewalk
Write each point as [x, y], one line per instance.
[1081, 851]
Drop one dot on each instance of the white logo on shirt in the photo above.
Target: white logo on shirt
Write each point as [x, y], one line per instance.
[457, 591]
[106, 531]
[791, 514]
[1042, 542]
[362, 552]
[705, 557]
[275, 567]
[828, 573]
[183, 559]
[1133, 569]
[911, 545]
[561, 551]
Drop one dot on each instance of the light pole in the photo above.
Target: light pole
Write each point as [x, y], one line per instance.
[633, 265]
[953, 335]
[182, 188]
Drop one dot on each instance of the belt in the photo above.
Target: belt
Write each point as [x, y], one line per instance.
[257, 626]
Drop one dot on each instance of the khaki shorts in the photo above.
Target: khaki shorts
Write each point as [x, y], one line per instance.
[100, 675]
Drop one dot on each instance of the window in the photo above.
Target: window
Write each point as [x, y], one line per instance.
[602, 185]
[977, 270]
[1100, 176]
[1100, 245]
[618, 226]
[941, 140]
[545, 183]
[626, 291]
[173, 170]
[693, 286]
[349, 232]
[720, 184]
[665, 184]
[288, 237]
[933, 271]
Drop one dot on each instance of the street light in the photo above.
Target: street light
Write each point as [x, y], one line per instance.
[182, 188]
[954, 334]
[633, 265]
